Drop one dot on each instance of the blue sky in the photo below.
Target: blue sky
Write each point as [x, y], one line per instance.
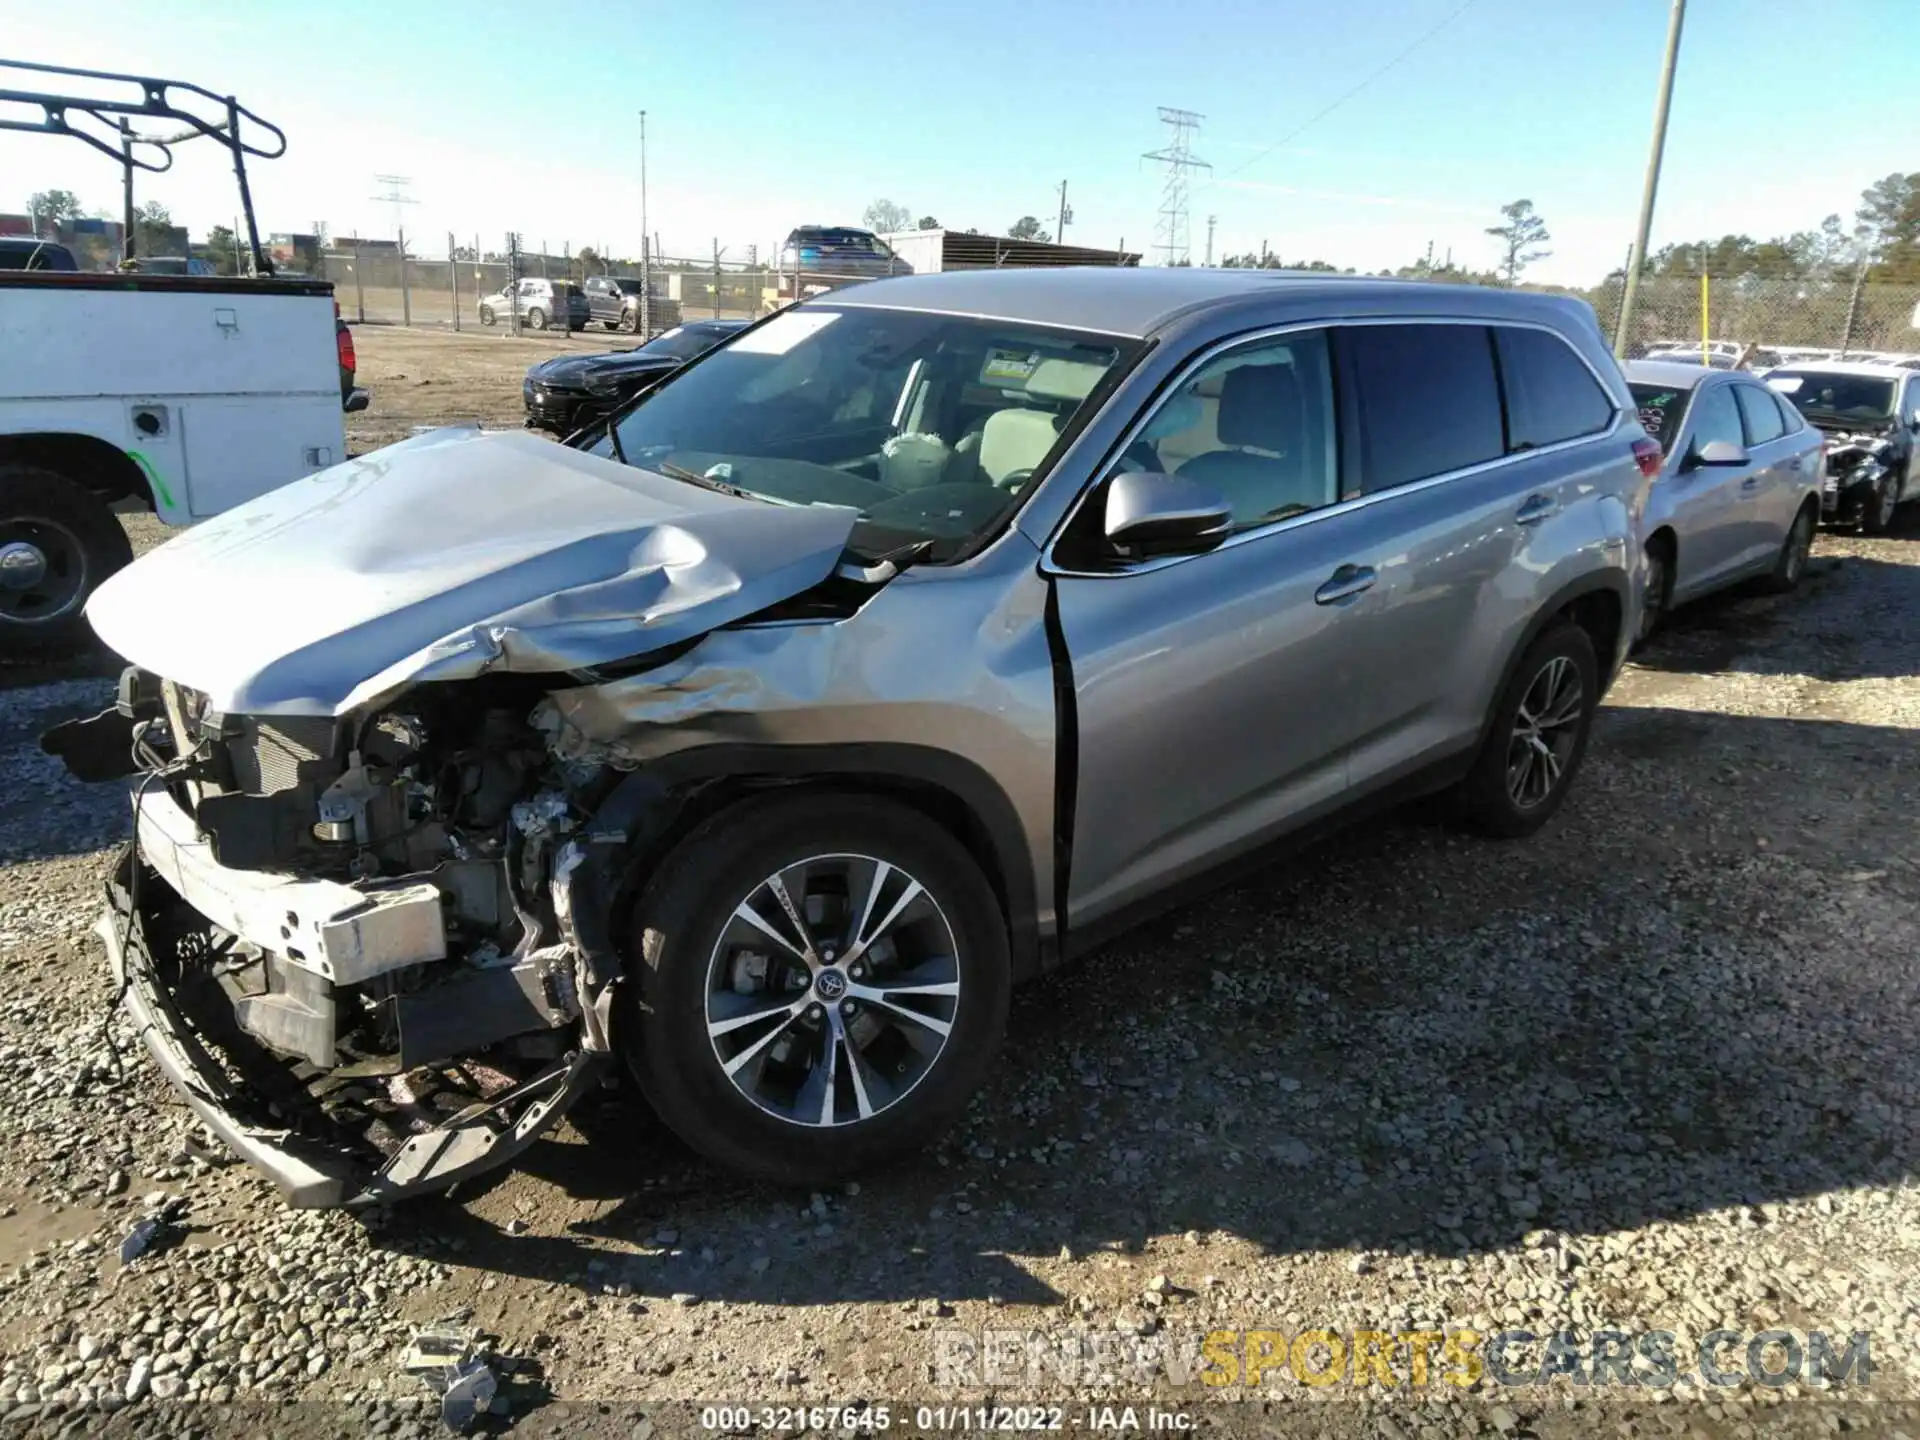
[766, 115]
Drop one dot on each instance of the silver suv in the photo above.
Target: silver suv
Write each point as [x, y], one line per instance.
[891, 653]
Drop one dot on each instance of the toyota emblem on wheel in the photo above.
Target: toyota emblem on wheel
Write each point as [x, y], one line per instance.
[831, 984]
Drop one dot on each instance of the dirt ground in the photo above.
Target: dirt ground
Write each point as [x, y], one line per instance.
[1653, 1070]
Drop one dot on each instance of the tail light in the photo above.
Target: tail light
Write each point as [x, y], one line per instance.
[1647, 455]
[343, 341]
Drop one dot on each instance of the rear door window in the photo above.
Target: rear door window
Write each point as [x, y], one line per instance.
[1760, 414]
[1429, 400]
[1551, 394]
[1660, 408]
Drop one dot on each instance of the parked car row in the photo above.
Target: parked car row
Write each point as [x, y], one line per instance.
[909, 644]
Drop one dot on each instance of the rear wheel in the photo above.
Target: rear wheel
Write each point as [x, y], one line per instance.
[822, 984]
[58, 541]
[1537, 737]
[486, 315]
[629, 321]
[1791, 564]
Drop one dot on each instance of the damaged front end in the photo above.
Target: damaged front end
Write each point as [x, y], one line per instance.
[1857, 465]
[348, 941]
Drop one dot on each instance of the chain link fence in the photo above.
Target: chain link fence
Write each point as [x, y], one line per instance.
[1838, 314]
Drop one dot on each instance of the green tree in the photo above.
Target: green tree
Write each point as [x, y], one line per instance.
[218, 251]
[1888, 228]
[926, 222]
[1027, 228]
[152, 228]
[52, 208]
[588, 262]
[1522, 239]
[883, 216]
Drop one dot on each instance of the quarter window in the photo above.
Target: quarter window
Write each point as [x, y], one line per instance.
[1429, 400]
[1256, 425]
[1551, 394]
[1761, 415]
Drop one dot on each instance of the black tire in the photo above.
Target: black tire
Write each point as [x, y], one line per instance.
[679, 923]
[1790, 565]
[629, 321]
[1877, 511]
[1486, 798]
[486, 316]
[536, 318]
[1655, 595]
[79, 542]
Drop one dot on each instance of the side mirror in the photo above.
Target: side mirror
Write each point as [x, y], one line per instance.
[1720, 452]
[1914, 419]
[1152, 514]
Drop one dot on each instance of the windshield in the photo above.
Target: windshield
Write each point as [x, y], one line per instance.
[1660, 408]
[1835, 395]
[682, 343]
[931, 426]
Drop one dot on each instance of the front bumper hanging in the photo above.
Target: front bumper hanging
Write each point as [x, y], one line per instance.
[312, 1170]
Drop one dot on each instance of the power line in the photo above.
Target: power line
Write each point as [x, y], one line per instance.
[1342, 99]
[396, 196]
[1170, 231]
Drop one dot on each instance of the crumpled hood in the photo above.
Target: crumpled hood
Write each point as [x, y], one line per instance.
[573, 370]
[446, 556]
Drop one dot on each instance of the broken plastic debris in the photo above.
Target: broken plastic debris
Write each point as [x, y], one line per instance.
[137, 1240]
[437, 1349]
[542, 814]
[469, 1396]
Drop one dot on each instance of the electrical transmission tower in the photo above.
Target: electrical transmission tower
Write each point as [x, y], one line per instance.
[396, 196]
[1170, 231]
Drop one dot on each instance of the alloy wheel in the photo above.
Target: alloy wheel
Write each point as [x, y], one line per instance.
[1799, 547]
[1654, 594]
[1546, 728]
[832, 990]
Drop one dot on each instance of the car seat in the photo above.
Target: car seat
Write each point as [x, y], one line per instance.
[1262, 420]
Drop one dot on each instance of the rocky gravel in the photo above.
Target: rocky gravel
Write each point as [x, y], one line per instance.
[1654, 1069]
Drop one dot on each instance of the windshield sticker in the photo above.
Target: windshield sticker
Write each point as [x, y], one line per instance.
[1653, 411]
[1008, 367]
[1786, 384]
[780, 334]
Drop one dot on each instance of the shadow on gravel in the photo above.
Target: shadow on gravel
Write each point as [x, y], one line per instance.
[1692, 992]
[1858, 605]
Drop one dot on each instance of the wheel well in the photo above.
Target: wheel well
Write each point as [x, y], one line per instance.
[1598, 613]
[86, 460]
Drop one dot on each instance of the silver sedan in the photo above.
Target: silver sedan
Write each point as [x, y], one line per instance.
[1738, 496]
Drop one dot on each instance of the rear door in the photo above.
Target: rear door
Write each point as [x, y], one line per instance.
[1464, 434]
[1770, 493]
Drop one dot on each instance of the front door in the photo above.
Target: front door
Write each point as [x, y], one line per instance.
[1213, 692]
[1708, 500]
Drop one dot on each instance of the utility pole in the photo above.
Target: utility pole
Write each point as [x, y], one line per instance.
[127, 247]
[646, 250]
[396, 195]
[1066, 214]
[1211, 221]
[1660, 108]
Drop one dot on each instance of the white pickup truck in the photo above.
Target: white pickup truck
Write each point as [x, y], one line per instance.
[183, 394]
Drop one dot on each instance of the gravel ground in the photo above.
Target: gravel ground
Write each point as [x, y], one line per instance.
[1653, 1069]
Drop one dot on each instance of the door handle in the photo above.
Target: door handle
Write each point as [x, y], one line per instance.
[1345, 583]
[1537, 508]
[1752, 482]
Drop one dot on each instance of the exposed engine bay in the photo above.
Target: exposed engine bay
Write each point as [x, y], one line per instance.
[364, 921]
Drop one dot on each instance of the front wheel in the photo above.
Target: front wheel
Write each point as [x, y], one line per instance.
[1537, 736]
[536, 319]
[629, 321]
[821, 985]
[1876, 513]
[486, 316]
